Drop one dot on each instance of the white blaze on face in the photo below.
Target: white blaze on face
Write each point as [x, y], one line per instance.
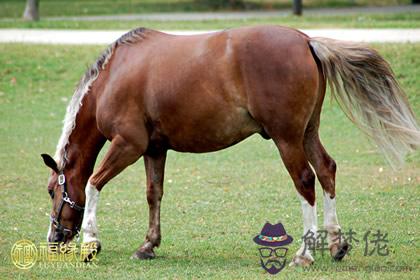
[89, 226]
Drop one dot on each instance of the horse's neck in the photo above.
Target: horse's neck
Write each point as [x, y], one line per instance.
[85, 143]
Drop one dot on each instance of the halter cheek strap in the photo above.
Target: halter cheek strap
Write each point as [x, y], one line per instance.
[65, 199]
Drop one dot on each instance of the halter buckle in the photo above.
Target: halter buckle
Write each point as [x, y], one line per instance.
[61, 179]
[69, 201]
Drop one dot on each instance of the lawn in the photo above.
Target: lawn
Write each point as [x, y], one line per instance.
[214, 204]
[11, 12]
[14, 8]
[397, 20]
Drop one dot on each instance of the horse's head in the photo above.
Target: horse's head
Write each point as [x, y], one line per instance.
[66, 215]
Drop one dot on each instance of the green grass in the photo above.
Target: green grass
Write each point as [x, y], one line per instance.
[398, 20]
[14, 8]
[214, 203]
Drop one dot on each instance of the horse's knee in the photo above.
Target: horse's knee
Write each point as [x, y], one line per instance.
[154, 193]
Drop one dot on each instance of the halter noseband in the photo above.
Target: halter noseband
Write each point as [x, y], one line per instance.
[65, 199]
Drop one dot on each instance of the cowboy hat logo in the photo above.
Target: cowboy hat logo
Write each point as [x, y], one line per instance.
[273, 239]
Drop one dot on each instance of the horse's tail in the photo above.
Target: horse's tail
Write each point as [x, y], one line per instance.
[364, 85]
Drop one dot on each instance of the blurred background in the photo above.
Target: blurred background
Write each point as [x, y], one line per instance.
[208, 14]
[15, 8]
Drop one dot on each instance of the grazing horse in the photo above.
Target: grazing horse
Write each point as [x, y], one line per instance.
[150, 92]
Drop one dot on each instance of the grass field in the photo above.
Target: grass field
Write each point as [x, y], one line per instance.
[14, 8]
[214, 204]
[397, 20]
[11, 13]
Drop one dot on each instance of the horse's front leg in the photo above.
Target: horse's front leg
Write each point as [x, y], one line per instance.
[121, 154]
[89, 225]
[155, 167]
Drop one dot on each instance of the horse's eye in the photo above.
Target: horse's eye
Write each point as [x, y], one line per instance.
[51, 192]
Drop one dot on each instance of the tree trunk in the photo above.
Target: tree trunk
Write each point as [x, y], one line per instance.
[31, 11]
[297, 7]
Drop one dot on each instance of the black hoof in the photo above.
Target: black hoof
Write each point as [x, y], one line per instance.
[94, 251]
[342, 250]
[143, 255]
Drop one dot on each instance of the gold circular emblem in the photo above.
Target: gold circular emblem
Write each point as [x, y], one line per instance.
[24, 254]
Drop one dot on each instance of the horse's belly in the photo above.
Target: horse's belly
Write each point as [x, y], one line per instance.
[213, 133]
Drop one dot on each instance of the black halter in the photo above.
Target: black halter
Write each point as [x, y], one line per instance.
[65, 199]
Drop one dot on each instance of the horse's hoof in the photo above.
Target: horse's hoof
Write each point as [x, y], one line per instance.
[143, 255]
[91, 250]
[300, 260]
[338, 251]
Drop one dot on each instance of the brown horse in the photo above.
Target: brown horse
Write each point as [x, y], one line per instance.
[150, 92]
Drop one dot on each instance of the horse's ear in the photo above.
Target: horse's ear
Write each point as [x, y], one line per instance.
[50, 162]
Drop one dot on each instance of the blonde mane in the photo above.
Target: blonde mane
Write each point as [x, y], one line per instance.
[83, 88]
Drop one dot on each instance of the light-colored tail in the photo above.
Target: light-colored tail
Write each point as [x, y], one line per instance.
[365, 87]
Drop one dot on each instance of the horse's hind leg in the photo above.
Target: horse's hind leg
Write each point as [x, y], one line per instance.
[325, 169]
[155, 166]
[122, 152]
[294, 158]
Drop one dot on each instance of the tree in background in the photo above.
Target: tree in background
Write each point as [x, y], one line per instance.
[31, 10]
[297, 7]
